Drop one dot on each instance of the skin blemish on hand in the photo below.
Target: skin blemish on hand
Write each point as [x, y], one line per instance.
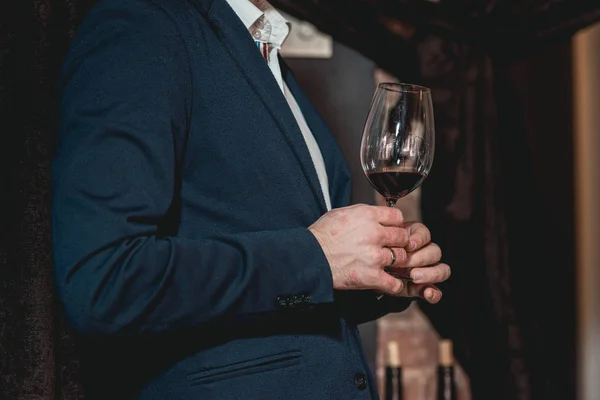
[352, 279]
[343, 219]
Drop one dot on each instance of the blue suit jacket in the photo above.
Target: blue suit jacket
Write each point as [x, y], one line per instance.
[182, 193]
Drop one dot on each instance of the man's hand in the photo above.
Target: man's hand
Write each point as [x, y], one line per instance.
[423, 260]
[358, 241]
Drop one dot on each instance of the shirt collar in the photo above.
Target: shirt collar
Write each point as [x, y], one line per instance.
[265, 24]
[246, 11]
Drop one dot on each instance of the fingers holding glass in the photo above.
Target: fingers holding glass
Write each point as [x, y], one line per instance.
[419, 235]
[432, 274]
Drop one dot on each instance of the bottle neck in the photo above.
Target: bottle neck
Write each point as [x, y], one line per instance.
[446, 386]
[393, 383]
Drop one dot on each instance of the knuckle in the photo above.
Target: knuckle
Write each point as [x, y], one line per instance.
[372, 212]
[374, 236]
[395, 214]
[377, 257]
[381, 235]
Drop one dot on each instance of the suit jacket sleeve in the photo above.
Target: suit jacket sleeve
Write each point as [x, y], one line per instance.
[125, 101]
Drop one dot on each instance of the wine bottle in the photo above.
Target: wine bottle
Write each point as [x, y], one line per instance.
[393, 373]
[446, 384]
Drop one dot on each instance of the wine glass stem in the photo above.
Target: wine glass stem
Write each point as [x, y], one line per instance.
[391, 202]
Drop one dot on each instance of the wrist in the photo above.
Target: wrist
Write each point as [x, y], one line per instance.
[325, 245]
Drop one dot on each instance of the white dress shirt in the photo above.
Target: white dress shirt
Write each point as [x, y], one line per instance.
[269, 29]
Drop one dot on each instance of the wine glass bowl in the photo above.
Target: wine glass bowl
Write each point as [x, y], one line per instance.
[398, 140]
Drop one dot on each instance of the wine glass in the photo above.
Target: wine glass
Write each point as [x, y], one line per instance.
[398, 140]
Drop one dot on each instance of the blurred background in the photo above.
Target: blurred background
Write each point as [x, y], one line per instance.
[512, 198]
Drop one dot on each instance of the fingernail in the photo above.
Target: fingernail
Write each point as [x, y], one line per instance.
[431, 295]
[417, 276]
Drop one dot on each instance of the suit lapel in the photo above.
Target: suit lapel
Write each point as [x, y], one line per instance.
[234, 36]
[337, 169]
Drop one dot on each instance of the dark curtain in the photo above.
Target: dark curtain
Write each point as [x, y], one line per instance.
[498, 199]
[38, 358]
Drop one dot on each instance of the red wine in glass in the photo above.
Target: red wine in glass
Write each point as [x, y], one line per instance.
[395, 183]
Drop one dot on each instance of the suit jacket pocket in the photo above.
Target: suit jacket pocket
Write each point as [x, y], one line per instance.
[247, 367]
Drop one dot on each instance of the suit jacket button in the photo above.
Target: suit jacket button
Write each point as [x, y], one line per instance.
[295, 301]
[282, 302]
[360, 380]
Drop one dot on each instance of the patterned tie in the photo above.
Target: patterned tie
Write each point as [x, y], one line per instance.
[265, 50]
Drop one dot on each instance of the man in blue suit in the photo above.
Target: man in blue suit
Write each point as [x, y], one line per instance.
[203, 243]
